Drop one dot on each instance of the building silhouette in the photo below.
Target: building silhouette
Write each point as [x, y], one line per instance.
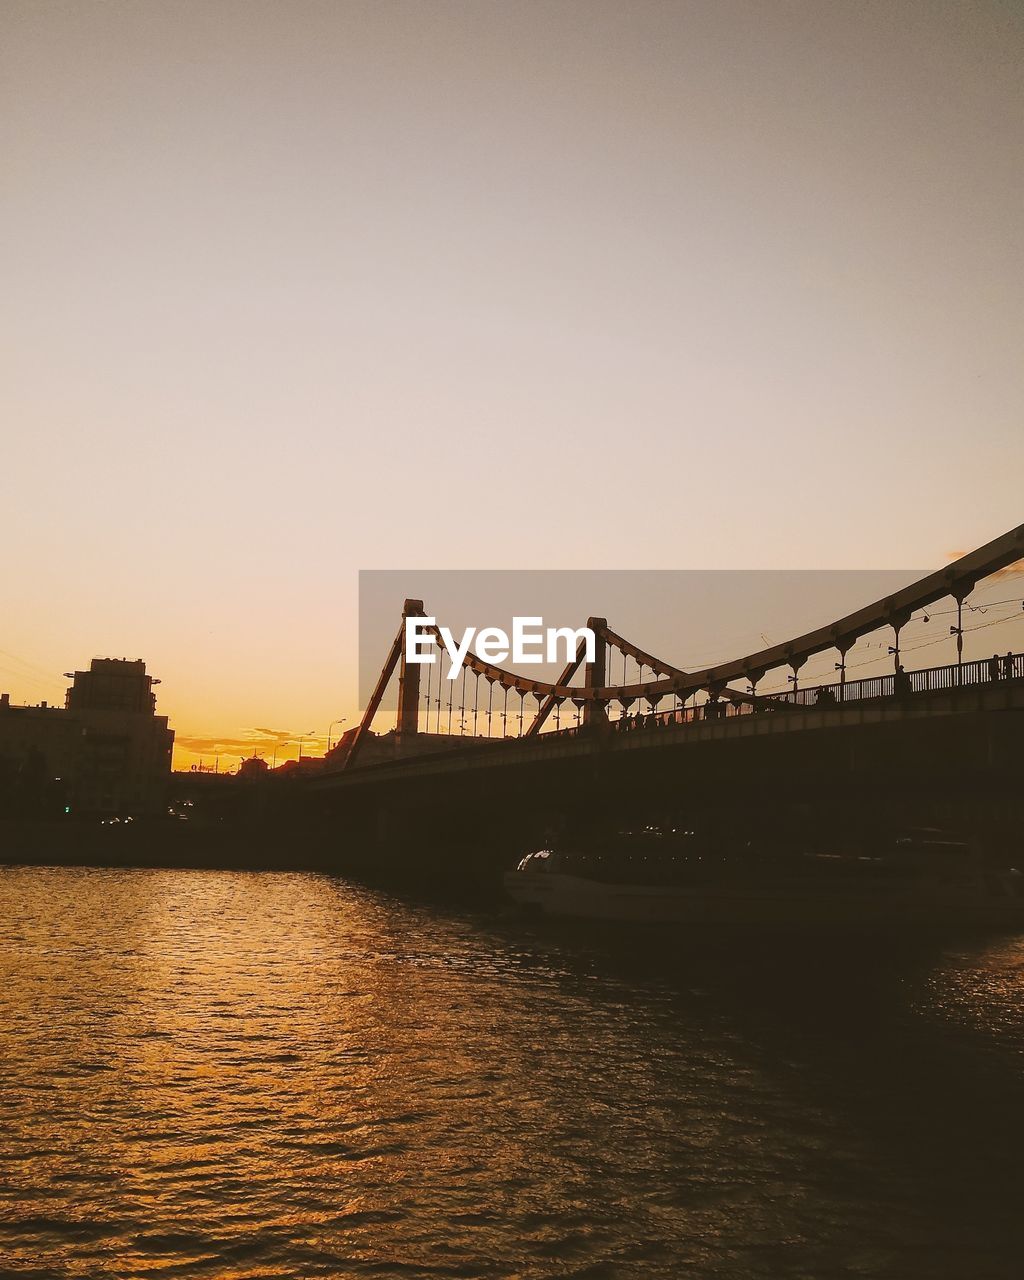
[105, 752]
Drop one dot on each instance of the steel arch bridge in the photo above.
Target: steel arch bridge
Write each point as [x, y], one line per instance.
[598, 697]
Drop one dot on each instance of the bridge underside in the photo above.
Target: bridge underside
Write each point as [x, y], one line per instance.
[950, 758]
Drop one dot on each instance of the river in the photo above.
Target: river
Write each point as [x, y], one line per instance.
[229, 1074]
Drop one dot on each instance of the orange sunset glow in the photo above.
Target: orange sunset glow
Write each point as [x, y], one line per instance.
[296, 291]
[512, 639]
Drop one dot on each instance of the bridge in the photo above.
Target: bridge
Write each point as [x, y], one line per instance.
[658, 737]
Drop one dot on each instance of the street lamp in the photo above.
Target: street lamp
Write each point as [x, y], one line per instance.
[341, 720]
[302, 739]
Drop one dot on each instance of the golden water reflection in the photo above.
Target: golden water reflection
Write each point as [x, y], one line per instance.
[253, 1074]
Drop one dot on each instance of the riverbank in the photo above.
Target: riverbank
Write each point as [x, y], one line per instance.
[247, 846]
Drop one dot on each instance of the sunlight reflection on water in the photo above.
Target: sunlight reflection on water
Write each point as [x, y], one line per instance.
[254, 1074]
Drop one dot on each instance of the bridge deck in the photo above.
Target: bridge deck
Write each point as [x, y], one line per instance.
[937, 692]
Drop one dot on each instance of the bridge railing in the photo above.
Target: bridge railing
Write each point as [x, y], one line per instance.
[981, 671]
[927, 680]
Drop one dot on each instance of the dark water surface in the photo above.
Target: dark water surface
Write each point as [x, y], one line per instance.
[252, 1075]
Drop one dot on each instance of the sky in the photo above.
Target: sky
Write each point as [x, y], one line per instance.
[294, 290]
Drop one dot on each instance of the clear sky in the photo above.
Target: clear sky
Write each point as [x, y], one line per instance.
[293, 289]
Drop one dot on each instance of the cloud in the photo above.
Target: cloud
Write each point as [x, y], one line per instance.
[257, 741]
[204, 745]
[1010, 571]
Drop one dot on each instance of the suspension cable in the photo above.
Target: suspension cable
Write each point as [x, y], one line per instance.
[451, 694]
[427, 698]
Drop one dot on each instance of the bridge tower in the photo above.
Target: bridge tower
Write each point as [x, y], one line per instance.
[595, 674]
[408, 719]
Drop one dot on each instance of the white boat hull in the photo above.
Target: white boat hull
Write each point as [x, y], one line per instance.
[788, 902]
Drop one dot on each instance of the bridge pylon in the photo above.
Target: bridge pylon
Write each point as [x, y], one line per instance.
[596, 673]
[408, 719]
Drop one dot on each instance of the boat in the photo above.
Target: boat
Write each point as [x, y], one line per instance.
[912, 878]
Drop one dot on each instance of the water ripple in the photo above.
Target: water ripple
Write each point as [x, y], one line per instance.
[273, 1075]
